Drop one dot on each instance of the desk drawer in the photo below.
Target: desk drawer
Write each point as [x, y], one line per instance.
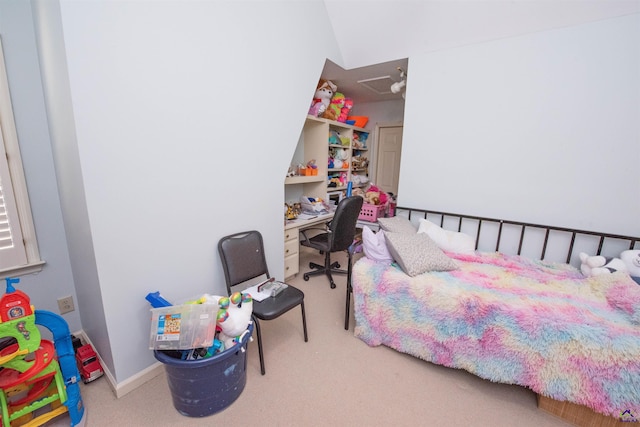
[291, 265]
[291, 250]
[291, 234]
[290, 247]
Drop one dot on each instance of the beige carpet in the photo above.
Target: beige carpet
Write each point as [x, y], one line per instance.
[334, 379]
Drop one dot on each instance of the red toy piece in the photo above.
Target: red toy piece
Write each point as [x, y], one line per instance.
[88, 364]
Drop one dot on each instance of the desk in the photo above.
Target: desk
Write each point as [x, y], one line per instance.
[292, 241]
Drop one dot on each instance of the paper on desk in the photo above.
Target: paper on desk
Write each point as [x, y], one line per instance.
[306, 216]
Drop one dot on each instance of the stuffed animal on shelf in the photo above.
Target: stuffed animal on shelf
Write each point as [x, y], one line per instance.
[359, 179]
[334, 181]
[334, 108]
[345, 110]
[343, 179]
[340, 159]
[234, 317]
[629, 262]
[322, 97]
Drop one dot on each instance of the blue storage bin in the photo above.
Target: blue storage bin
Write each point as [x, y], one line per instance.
[206, 386]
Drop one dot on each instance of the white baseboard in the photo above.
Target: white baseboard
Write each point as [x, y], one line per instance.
[123, 388]
[138, 379]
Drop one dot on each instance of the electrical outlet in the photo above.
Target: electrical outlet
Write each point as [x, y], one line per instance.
[65, 304]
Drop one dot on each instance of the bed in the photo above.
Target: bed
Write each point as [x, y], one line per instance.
[529, 320]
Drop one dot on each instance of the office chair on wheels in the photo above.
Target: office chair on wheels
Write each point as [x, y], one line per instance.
[243, 259]
[338, 237]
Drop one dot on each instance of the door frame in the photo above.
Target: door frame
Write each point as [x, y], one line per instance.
[374, 151]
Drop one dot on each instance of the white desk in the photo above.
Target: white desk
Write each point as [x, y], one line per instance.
[292, 241]
[301, 224]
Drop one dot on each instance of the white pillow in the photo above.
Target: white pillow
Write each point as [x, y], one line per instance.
[375, 246]
[446, 240]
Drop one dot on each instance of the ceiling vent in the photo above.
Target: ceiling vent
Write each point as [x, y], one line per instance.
[379, 85]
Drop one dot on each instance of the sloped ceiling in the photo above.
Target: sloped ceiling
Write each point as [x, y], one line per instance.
[372, 32]
[375, 37]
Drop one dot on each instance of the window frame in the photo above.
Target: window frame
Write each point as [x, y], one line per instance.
[12, 163]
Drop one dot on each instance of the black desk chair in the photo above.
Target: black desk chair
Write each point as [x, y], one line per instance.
[338, 237]
[243, 259]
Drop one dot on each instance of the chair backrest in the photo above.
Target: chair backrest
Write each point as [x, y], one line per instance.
[343, 224]
[242, 256]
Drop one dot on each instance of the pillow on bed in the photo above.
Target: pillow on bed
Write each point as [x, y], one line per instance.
[397, 224]
[446, 240]
[417, 253]
[375, 246]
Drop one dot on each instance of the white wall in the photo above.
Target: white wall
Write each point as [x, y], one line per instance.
[541, 128]
[21, 60]
[184, 131]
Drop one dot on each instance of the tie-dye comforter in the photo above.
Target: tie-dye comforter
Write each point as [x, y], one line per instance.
[512, 320]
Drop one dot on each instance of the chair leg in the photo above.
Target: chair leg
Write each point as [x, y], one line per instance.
[304, 322]
[347, 309]
[257, 327]
[348, 297]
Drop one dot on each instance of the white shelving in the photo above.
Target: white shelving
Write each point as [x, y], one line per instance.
[314, 144]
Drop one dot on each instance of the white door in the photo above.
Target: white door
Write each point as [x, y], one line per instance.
[388, 158]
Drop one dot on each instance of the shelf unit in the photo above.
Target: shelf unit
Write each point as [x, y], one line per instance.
[347, 132]
[314, 144]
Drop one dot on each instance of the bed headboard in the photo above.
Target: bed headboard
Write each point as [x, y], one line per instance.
[535, 240]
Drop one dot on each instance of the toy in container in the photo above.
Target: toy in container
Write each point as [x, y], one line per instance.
[183, 327]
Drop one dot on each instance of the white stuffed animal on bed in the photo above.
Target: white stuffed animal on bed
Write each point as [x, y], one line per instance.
[629, 262]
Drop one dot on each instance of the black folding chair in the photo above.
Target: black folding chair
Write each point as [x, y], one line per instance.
[243, 259]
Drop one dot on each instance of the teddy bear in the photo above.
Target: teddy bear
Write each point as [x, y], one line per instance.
[628, 262]
[322, 97]
[334, 108]
[372, 197]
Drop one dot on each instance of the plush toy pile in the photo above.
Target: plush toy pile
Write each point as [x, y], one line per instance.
[232, 322]
[330, 104]
[629, 262]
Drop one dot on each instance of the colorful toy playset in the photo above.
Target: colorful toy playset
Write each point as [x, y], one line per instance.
[32, 378]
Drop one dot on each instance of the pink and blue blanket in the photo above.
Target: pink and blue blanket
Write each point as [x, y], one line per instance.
[512, 320]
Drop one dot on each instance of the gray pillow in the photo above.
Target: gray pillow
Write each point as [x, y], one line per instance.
[397, 224]
[417, 253]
